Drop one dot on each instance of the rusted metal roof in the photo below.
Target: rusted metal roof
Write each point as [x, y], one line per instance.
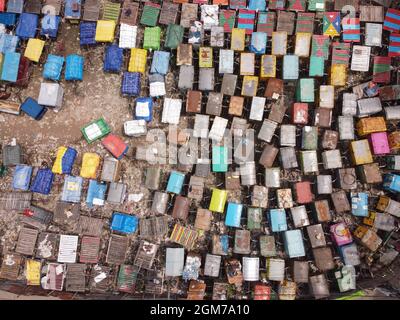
[10, 266]
[101, 279]
[26, 241]
[75, 279]
[90, 247]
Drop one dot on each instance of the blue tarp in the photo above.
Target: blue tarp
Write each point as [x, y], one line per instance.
[68, 160]
[131, 83]
[50, 24]
[124, 223]
[8, 19]
[74, 68]
[53, 67]
[113, 58]
[160, 62]
[15, 6]
[9, 71]
[27, 25]
[96, 193]
[69, 11]
[87, 33]
[22, 177]
[8, 42]
[33, 109]
[43, 181]
[72, 189]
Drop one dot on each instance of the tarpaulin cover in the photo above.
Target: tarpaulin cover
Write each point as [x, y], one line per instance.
[113, 58]
[22, 177]
[9, 71]
[72, 189]
[87, 33]
[96, 193]
[64, 160]
[8, 42]
[160, 62]
[115, 145]
[131, 83]
[23, 72]
[124, 223]
[27, 25]
[74, 67]
[34, 49]
[50, 24]
[9, 19]
[105, 30]
[15, 6]
[53, 67]
[69, 11]
[33, 109]
[43, 181]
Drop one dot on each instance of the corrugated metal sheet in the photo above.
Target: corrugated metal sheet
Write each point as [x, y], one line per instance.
[169, 12]
[91, 10]
[10, 266]
[153, 227]
[47, 246]
[26, 241]
[111, 11]
[129, 13]
[101, 279]
[67, 214]
[90, 226]
[145, 255]
[15, 200]
[55, 276]
[75, 279]
[67, 248]
[90, 247]
[117, 248]
[127, 276]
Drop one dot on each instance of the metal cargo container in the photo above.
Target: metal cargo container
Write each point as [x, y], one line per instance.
[10, 266]
[322, 210]
[316, 236]
[90, 226]
[323, 258]
[340, 201]
[290, 67]
[100, 279]
[267, 246]
[285, 22]
[279, 43]
[373, 34]
[251, 267]
[277, 218]
[275, 269]
[174, 262]
[319, 286]
[288, 157]
[347, 178]
[299, 216]
[242, 242]
[293, 241]
[360, 58]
